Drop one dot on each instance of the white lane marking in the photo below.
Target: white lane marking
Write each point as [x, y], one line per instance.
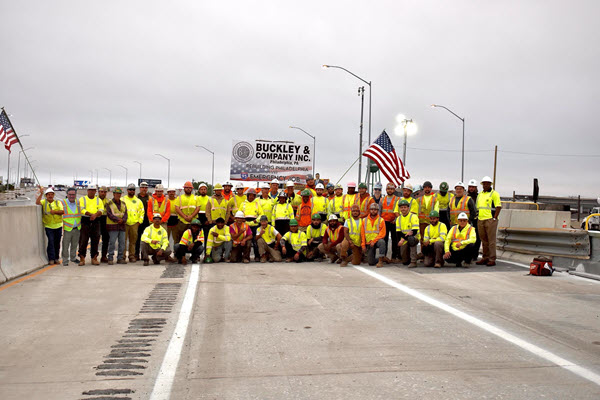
[166, 375]
[538, 351]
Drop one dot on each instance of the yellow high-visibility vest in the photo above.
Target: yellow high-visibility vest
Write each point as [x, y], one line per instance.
[51, 221]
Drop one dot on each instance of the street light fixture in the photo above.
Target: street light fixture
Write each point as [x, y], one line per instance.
[125, 168]
[169, 169]
[462, 170]
[212, 182]
[137, 162]
[109, 178]
[314, 146]
[409, 127]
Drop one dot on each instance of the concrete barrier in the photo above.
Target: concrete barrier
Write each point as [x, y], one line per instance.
[533, 219]
[23, 241]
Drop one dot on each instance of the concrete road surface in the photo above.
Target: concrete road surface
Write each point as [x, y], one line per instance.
[299, 331]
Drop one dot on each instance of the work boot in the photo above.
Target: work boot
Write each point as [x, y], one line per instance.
[263, 258]
[131, 259]
[65, 263]
[386, 260]
[412, 265]
[483, 261]
[171, 260]
[246, 261]
[81, 261]
[146, 263]
[334, 258]
[395, 261]
[183, 261]
[51, 262]
[103, 259]
[438, 265]
[121, 261]
[491, 263]
[380, 263]
[155, 260]
[344, 262]
[420, 256]
[95, 261]
[110, 262]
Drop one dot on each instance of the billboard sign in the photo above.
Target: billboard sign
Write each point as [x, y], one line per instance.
[151, 182]
[81, 184]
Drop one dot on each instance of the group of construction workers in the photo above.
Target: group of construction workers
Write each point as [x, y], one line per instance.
[276, 224]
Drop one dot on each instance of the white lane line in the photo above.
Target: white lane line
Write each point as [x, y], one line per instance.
[538, 351]
[166, 375]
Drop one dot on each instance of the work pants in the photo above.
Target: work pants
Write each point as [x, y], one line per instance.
[380, 248]
[459, 256]
[334, 251]
[131, 233]
[104, 235]
[433, 254]
[487, 232]
[223, 251]
[112, 241]
[205, 229]
[53, 249]
[239, 252]
[182, 249]
[422, 227]
[408, 251]
[70, 245]
[265, 248]
[475, 224]
[149, 251]
[172, 226]
[290, 253]
[282, 226]
[445, 217]
[141, 230]
[390, 230]
[312, 250]
[356, 251]
[179, 231]
[90, 231]
[254, 244]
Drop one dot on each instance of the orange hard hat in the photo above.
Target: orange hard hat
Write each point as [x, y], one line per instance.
[188, 184]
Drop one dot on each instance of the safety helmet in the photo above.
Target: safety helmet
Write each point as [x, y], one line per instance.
[319, 186]
[239, 185]
[462, 185]
[218, 186]
[472, 182]
[196, 221]
[227, 184]
[156, 215]
[377, 186]
[293, 222]
[265, 185]
[202, 185]
[316, 216]
[240, 214]
[282, 193]
[329, 185]
[408, 186]
[275, 181]
[362, 185]
[159, 187]
[188, 184]
[351, 184]
[403, 203]
[305, 192]
[338, 186]
[462, 215]
[251, 191]
[486, 179]
[444, 186]
[289, 183]
[374, 205]
[434, 214]
[427, 184]
[118, 190]
[332, 217]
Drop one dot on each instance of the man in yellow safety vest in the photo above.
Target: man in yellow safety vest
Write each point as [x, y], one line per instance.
[135, 216]
[52, 211]
[116, 221]
[155, 243]
[433, 241]
[352, 237]
[459, 242]
[187, 208]
[293, 244]
[91, 209]
[71, 227]
[407, 229]
[488, 210]
[372, 234]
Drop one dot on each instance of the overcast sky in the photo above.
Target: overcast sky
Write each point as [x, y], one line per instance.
[98, 84]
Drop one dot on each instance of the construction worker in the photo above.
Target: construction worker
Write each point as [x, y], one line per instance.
[52, 211]
[473, 192]
[293, 244]
[352, 237]
[413, 205]
[336, 204]
[320, 202]
[252, 210]
[459, 243]
[234, 203]
[91, 210]
[444, 198]
[173, 217]
[282, 214]
[488, 209]
[102, 220]
[304, 211]
[241, 235]
[274, 190]
[332, 239]
[377, 192]
[372, 234]
[135, 216]
[348, 200]
[144, 197]
[311, 185]
[268, 240]
[427, 203]
[314, 235]
[330, 188]
[407, 228]
[433, 241]
[192, 241]
[158, 203]
[218, 243]
[472, 189]
[292, 198]
[116, 221]
[71, 227]
[186, 208]
[387, 210]
[364, 200]
[155, 242]
[461, 203]
[227, 193]
[216, 206]
[202, 202]
[266, 201]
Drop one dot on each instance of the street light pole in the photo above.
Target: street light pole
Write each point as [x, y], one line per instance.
[169, 169]
[125, 168]
[137, 162]
[19, 164]
[212, 181]
[314, 146]
[462, 171]
[109, 178]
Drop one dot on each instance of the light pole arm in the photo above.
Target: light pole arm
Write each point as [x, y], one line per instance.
[449, 110]
[350, 72]
[295, 127]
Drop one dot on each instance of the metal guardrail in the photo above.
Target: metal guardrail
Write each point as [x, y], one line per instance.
[572, 243]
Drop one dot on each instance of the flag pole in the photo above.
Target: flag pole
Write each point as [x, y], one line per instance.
[20, 144]
[348, 169]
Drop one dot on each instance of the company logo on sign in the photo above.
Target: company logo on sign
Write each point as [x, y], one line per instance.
[243, 152]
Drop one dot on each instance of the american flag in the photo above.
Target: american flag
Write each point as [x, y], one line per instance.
[7, 135]
[382, 152]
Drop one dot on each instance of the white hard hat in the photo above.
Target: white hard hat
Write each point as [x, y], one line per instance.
[289, 183]
[49, 190]
[239, 185]
[319, 186]
[156, 215]
[92, 187]
[462, 185]
[265, 185]
[228, 184]
[159, 187]
[462, 216]
[408, 186]
[472, 182]
[332, 217]
[240, 214]
[275, 181]
[486, 179]
[171, 190]
[202, 185]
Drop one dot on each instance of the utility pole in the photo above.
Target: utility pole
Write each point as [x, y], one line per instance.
[361, 93]
[495, 160]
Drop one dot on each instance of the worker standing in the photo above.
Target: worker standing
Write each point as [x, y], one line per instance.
[216, 207]
[218, 242]
[274, 190]
[320, 202]
[233, 206]
[311, 185]
[102, 220]
[71, 227]
[352, 237]
[488, 209]
[413, 205]
[144, 198]
[459, 243]
[158, 203]
[364, 200]
[266, 201]
[52, 212]
[116, 221]
[444, 198]
[282, 214]
[473, 192]
[372, 234]
[387, 207]
[292, 198]
[227, 193]
[348, 200]
[135, 216]
[332, 239]
[202, 203]
[433, 241]
[192, 241]
[304, 211]
[427, 203]
[91, 209]
[241, 235]
[293, 243]
[173, 217]
[330, 191]
[336, 204]
[268, 240]
[155, 243]
[252, 211]
[377, 192]
[461, 203]
[407, 228]
[187, 209]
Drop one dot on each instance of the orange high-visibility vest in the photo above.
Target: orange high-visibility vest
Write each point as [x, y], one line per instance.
[388, 206]
[304, 213]
[462, 206]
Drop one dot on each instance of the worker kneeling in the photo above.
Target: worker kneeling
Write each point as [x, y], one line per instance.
[407, 228]
[433, 242]
[155, 242]
[293, 244]
[241, 234]
[268, 239]
[459, 243]
[314, 234]
[192, 241]
[332, 239]
[372, 236]
[218, 243]
[352, 237]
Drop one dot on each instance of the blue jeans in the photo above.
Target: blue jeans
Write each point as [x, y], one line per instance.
[53, 249]
[113, 236]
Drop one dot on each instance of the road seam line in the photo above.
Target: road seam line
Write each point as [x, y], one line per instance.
[538, 351]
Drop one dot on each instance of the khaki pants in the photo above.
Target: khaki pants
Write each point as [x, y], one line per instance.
[240, 253]
[408, 253]
[179, 230]
[131, 234]
[356, 251]
[149, 251]
[264, 248]
[487, 233]
[433, 254]
[333, 250]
